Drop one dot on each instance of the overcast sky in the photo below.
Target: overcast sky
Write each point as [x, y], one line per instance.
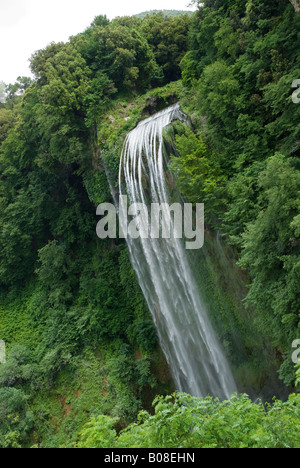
[29, 25]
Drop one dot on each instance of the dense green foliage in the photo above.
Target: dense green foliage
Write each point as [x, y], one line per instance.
[181, 421]
[83, 357]
[65, 294]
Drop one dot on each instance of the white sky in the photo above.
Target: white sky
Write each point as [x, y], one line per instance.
[29, 25]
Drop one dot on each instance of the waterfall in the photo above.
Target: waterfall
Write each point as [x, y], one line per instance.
[191, 347]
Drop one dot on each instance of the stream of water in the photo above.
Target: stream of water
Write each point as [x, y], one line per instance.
[192, 349]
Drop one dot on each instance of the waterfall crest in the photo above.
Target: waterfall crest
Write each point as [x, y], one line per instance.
[191, 347]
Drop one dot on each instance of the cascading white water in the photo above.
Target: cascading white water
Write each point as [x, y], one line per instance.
[189, 343]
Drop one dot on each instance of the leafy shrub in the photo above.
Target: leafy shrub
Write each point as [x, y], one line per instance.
[181, 421]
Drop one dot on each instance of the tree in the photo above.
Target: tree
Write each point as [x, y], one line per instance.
[168, 38]
[271, 253]
[120, 52]
[64, 75]
[15, 418]
[18, 88]
[19, 367]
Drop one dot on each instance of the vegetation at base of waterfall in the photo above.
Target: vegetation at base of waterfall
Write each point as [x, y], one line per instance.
[82, 352]
[181, 421]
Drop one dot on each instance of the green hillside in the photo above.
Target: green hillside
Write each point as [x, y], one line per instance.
[165, 13]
